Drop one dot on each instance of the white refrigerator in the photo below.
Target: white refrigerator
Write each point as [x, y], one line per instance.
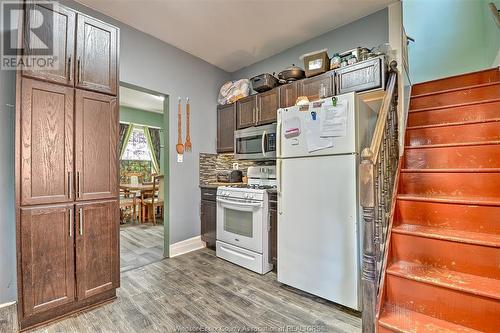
[318, 198]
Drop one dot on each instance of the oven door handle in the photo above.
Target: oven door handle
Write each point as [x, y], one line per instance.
[263, 143]
[240, 204]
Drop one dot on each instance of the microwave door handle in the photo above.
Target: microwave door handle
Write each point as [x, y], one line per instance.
[263, 142]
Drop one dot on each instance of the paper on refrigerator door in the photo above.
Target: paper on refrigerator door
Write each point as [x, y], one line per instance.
[313, 135]
[333, 121]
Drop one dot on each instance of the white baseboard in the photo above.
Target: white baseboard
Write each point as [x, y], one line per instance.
[4, 305]
[185, 246]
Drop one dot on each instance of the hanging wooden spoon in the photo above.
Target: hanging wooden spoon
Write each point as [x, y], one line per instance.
[188, 146]
[179, 147]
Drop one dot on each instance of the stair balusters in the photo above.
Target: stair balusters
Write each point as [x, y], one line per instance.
[378, 172]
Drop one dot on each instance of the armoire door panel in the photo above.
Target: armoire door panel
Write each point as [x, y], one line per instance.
[46, 143]
[97, 53]
[97, 247]
[96, 142]
[47, 257]
[59, 27]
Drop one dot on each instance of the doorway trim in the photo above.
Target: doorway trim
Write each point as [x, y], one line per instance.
[166, 162]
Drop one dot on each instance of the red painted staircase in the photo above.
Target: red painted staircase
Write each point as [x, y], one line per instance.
[443, 262]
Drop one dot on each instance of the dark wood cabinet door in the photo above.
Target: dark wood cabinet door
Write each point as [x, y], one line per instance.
[57, 36]
[47, 257]
[267, 104]
[97, 247]
[246, 112]
[46, 143]
[96, 146]
[310, 87]
[226, 125]
[288, 95]
[97, 55]
[208, 222]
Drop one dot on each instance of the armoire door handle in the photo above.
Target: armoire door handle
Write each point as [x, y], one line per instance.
[80, 220]
[70, 182]
[69, 68]
[78, 184]
[70, 222]
[79, 70]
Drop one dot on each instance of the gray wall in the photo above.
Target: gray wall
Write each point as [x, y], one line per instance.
[369, 31]
[7, 214]
[150, 63]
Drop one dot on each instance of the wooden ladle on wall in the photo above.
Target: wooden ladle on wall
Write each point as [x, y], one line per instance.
[188, 146]
[179, 147]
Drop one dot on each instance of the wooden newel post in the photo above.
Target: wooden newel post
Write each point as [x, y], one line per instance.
[368, 275]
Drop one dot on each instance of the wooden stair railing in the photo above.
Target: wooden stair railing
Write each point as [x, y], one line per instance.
[378, 171]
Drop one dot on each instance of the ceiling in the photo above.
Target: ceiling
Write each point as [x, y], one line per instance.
[141, 100]
[232, 34]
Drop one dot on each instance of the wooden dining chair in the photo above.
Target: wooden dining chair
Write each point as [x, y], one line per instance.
[127, 202]
[156, 200]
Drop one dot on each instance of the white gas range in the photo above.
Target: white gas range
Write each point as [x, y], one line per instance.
[243, 220]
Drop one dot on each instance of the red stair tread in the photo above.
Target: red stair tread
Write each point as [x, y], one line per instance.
[456, 105]
[399, 319]
[454, 235]
[451, 170]
[469, 283]
[455, 123]
[457, 81]
[447, 199]
[454, 144]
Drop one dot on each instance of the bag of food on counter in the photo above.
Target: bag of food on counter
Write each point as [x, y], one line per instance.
[232, 91]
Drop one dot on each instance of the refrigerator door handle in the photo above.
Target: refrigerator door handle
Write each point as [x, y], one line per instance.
[263, 143]
[278, 134]
[279, 175]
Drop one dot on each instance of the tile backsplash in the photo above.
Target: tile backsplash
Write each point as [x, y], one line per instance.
[211, 164]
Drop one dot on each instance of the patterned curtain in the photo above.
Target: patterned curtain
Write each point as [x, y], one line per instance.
[153, 135]
[124, 130]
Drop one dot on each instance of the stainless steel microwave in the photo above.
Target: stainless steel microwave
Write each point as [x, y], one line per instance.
[255, 143]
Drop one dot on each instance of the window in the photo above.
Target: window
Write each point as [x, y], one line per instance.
[137, 148]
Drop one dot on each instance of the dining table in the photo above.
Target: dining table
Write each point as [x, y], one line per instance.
[136, 187]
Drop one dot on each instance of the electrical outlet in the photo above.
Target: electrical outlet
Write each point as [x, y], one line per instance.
[235, 166]
[180, 158]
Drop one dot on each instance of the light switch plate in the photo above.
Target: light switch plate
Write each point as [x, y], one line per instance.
[180, 158]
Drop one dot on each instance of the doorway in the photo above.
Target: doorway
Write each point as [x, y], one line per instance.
[143, 165]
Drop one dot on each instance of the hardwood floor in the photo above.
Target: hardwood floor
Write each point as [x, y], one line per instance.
[199, 291]
[140, 245]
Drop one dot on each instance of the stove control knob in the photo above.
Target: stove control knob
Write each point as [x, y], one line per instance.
[249, 196]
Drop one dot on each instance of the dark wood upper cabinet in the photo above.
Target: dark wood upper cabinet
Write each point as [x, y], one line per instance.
[310, 87]
[97, 55]
[46, 150]
[267, 104]
[96, 142]
[47, 258]
[246, 112]
[288, 95]
[97, 248]
[226, 125]
[57, 36]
